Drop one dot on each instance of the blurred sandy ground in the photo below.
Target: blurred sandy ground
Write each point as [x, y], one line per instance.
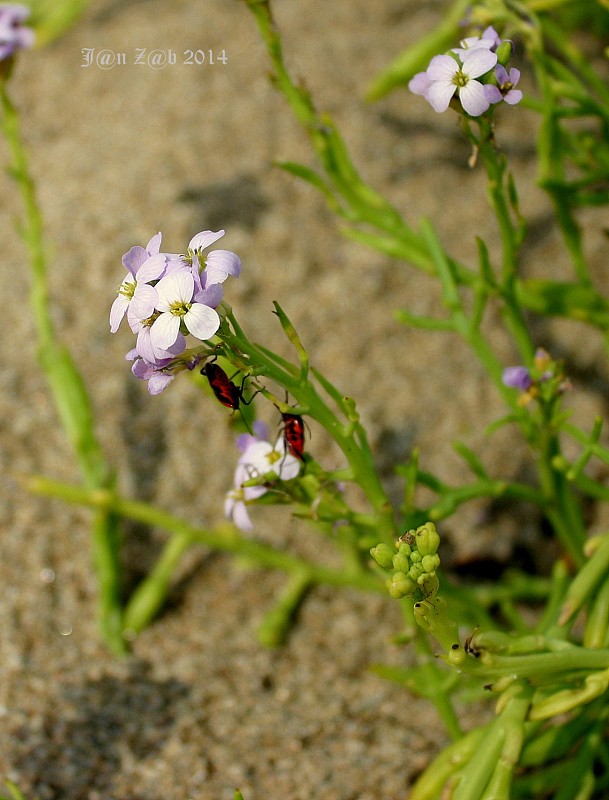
[122, 153]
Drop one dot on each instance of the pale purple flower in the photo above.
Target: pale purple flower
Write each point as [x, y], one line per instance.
[13, 35]
[153, 373]
[448, 76]
[491, 33]
[218, 264]
[177, 306]
[488, 40]
[505, 89]
[517, 378]
[135, 294]
[235, 502]
[263, 457]
[146, 349]
[259, 458]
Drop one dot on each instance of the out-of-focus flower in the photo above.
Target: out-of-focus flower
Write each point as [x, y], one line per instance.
[259, 458]
[13, 34]
[517, 378]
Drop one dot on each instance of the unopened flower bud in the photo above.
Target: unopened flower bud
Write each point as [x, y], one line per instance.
[400, 585]
[415, 572]
[504, 52]
[430, 563]
[427, 539]
[401, 560]
[383, 555]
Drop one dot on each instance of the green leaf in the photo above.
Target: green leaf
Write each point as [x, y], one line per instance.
[561, 298]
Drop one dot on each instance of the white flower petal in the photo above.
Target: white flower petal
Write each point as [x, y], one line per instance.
[164, 331]
[288, 466]
[175, 288]
[117, 312]
[478, 61]
[202, 321]
[143, 302]
[158, 382]
[442, 68]
[241, 518]
[439, 95]
[144, 345]
[256, 458]
[203, 239]
[473, 98]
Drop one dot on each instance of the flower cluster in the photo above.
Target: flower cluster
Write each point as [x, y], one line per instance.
[166, 297]
[545, 380]
[13, 34]
[412, 562]
[259, 460]
[478, 57]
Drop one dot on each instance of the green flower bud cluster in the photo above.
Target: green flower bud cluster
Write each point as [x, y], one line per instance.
[412, 562]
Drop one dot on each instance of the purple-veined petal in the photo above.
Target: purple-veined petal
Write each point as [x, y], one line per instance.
[117, 312]
[514, 76]
[439, 94]
[501, 74]
[210, 296]
[220, 264]
[154, 245]
[473, 99]
[158, 382]
[491, 33]
[203, 239]
[134, 258]
[164, 331]
[143, 302]
[493, 95]
[420, 83]
[144, 344]
[152, 268]
[513, 96]
[442, 68]
[175, 262]
[478, 61]
[177, 287]
[202, 321]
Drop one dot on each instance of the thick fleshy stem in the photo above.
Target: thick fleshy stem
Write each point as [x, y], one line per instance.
[68, 389]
